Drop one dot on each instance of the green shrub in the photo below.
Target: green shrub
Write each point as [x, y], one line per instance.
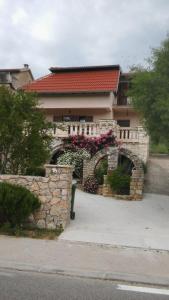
[37, 171]
[119, 181]
[101, 170]
[160, 148]
[16, 203]
[91, 185]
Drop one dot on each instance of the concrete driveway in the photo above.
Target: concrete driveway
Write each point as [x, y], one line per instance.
[106, 220]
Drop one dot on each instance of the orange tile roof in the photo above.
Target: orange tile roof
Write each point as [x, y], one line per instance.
[75, 80]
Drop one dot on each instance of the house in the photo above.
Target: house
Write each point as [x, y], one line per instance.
[91, 100]
[16, 78]
[85, 94]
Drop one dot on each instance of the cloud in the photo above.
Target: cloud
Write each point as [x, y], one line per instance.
[19, 16]
[80, 32]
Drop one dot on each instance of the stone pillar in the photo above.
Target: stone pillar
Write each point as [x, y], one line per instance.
[106, 125]
[112, 158]
[60, 183]
[106, 190]
[112, 165]
[137, 184]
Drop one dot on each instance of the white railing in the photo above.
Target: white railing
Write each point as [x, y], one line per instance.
[87, 128]
[91, 129]
[124, 134]
[128, 133]
[77, 128]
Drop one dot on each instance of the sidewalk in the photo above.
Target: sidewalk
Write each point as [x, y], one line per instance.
[85, 260]
[105, 220]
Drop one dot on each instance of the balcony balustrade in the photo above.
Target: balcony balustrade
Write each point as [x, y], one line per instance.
[94, 129]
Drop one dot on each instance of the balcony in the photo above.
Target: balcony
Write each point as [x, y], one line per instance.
[87, 128]
[94, 129]
[123, 101]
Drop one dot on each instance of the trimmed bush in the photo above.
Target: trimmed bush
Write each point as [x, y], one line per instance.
[37, 171]
[16, 204]
[91, 185]
[119, 181]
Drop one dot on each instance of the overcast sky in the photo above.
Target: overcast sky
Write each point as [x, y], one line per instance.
[45, 33]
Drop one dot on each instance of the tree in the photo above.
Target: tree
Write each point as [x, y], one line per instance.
[24, 133]
[150, 93]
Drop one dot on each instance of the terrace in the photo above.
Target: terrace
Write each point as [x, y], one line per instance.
[132, 138]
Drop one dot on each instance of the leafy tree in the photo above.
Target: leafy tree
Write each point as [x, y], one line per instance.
[24, 133]
[150, 93]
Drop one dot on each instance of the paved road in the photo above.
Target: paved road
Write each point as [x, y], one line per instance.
[91, 260]
[106, 220]
[16, 285]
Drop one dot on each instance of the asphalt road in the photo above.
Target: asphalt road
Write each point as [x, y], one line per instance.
[17, 285]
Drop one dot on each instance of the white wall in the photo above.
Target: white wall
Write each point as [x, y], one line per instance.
[98, 106]
[73, 101]
[126, 114]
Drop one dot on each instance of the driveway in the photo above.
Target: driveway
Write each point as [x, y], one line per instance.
[105, 220]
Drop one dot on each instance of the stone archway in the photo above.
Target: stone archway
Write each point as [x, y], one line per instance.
[133, 157]
[137, 178]
[57, 146]
[89, 165]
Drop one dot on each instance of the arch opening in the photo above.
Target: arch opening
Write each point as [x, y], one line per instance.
[126, 163]
[55, 156]
[100, 169]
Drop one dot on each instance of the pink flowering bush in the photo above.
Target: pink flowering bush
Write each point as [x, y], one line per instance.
[92, 144]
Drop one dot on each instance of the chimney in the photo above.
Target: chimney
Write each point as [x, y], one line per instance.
[26, 66]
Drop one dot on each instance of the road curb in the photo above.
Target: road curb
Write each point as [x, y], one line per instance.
[126, 278]
[109, 246]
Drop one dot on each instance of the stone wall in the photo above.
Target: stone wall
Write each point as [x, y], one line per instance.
[157, 176]
[54, 192]
[139, 149]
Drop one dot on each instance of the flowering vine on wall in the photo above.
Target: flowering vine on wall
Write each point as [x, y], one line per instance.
[92, 144]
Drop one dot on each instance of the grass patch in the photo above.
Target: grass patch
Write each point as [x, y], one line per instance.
[159, 148]
[35, 233]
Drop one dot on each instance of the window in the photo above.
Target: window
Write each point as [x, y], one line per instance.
[72, 118]
[85, 119]
[123, 100]
[57, 119]
[123, 123]
[3, 77]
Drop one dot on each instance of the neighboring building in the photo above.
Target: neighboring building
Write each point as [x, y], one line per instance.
[91, 100]
[16, 78]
